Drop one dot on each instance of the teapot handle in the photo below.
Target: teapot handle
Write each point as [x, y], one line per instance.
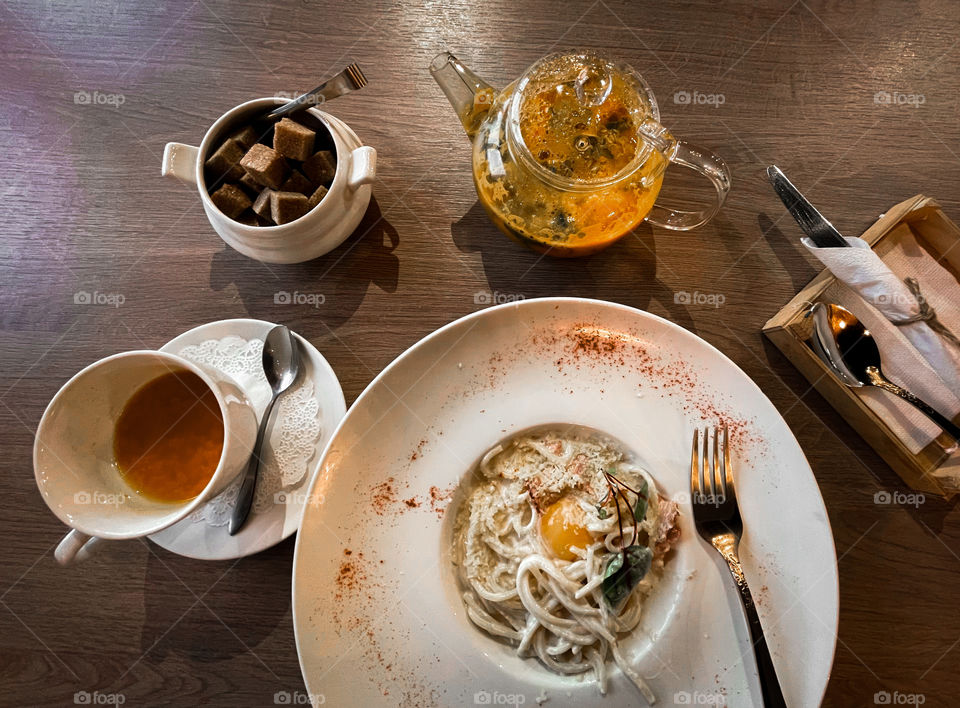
[682, 153]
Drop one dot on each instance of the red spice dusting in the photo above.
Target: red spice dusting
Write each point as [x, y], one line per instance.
[383, 496]
[387, 502]
[440, 498]
[349, 578]
[358, 613]
[419, 450]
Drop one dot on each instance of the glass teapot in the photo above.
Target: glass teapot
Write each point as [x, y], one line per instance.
[570, 157]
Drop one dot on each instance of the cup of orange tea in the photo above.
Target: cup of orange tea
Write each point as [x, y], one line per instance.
[136, 442]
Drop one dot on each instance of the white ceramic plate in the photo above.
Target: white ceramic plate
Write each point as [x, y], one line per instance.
[198, 539]
[376, 611]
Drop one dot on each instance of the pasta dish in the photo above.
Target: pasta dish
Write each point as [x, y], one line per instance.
[557, 545]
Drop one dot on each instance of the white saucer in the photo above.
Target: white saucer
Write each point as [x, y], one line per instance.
[203, 541]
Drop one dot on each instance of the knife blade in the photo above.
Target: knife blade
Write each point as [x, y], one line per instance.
[821, 232]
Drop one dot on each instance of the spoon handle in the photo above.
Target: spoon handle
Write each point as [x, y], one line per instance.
[245, 498]
[877, 379]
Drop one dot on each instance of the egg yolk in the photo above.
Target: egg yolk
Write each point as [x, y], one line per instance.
[562, 526]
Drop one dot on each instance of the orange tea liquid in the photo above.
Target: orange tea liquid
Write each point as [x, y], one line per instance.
[552, 219]
[168, 439]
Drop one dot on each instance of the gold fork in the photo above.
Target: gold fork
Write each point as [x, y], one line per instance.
[717, 518]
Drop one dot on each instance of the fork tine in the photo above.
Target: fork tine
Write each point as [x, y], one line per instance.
[720, 487]
[694, 467]
[705, 476]
[727, 469]
[356, 76]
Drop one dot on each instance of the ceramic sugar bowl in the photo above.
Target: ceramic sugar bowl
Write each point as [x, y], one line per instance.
[329, 220]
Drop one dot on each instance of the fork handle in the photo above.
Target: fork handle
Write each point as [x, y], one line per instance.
[769, 683]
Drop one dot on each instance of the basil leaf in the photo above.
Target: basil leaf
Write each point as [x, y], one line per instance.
[621, 577]
[640, 510]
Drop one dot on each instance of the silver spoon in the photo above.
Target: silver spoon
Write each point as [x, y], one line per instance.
[281, 364]
[851, 352]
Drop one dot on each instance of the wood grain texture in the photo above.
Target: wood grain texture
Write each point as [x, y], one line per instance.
[84, 209]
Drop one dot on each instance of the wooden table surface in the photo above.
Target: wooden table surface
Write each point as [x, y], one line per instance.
[85, 210]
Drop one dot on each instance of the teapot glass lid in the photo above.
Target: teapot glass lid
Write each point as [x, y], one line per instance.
[579, 116]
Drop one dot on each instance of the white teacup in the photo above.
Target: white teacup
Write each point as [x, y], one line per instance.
[73, 459]
[318, 231]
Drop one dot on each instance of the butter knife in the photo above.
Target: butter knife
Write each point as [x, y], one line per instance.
[821, 232]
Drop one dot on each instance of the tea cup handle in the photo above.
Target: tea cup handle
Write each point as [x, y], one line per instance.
[75, 547]
[363, 167]
[710, 166]
[180, 161]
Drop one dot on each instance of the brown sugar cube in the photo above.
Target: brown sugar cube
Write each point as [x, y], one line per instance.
[231, 200]
[296, 182]
[320, 168]
[246, 136]
[249, 185]
[293, 140]
[317, 196]
[287, 206]
[261, 207]
[225, 162]
[248, 218]
[265, 165]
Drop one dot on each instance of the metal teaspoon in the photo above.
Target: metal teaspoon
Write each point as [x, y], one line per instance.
[281, 364]
[851, 352]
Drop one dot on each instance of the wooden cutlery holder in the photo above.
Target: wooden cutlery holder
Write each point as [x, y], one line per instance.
[790, 331]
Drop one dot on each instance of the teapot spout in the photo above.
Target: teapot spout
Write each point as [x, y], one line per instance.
[470, 96]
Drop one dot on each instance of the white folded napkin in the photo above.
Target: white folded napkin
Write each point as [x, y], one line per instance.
[914, 355]
[881, 283]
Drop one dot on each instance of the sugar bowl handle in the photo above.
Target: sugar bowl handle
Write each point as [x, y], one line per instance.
[363, 167]
[180, 161]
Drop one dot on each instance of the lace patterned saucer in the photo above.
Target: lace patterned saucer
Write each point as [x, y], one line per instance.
[302, 423]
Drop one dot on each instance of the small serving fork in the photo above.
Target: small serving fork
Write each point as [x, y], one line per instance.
[350, 79]
[717, 517]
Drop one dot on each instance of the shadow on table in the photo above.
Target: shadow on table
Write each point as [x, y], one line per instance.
[625, 272]
[788, 250]
[331, 286]
[242, 603]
